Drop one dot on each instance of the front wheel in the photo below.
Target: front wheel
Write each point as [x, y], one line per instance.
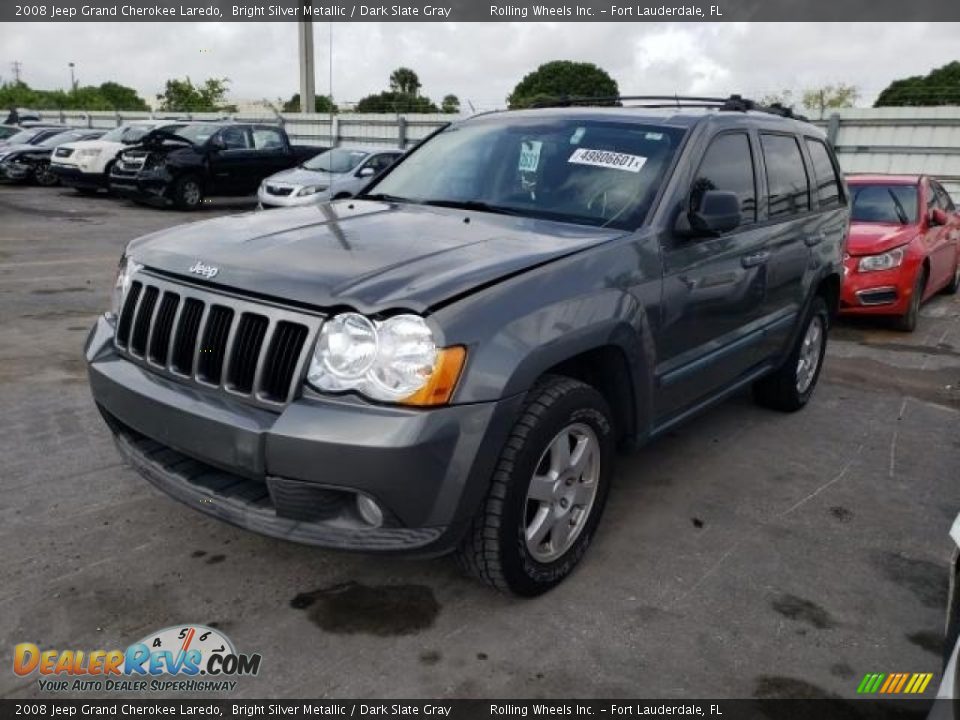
[187, 193]
[790, 387]
[908, 321]
[547, 493]
[44, 175]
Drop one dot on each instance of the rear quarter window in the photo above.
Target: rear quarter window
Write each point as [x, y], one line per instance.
[788, 189]
[827, 183]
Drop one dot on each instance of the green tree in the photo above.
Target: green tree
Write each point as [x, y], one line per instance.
[321, 104]
[829, 97]
[184, 96]
[121, 97]
[783, 98]
[554, 81]
[450, 104]
[939, 87]
[389, 101]
[404, 81]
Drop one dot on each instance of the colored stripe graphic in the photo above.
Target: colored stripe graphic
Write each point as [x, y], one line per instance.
[894, 683]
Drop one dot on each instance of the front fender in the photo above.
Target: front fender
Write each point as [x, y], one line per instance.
[519, 329]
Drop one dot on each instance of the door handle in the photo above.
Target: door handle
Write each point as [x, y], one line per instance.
[754, 259]
[814, 239]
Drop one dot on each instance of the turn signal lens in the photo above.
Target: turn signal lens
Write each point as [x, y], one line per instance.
[443, 381]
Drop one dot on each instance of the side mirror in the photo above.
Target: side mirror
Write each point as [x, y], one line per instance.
[719, 212]
[938, 217]
[366, 172]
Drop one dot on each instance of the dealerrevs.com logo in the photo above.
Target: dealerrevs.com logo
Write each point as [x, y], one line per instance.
[189, 658]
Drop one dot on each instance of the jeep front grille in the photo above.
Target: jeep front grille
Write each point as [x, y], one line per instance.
[254, 351]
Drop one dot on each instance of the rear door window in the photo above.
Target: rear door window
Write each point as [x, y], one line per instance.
[728, 165]
[788, 190]
[826, 180]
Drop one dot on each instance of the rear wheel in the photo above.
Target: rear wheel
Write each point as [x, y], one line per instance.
[188, 193]
[908, 321]
[791, 386]
[548, 491]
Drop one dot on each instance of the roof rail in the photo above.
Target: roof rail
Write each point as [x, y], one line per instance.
[733, 103]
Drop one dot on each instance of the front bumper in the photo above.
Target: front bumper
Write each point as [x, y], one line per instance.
[296, 475]
[73, 176]
[884, 292]
[147, 185]
[292, 200]
[13, 171]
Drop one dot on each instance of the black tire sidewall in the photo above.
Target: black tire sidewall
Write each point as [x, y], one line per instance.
[523, 574]
[178, 193]
[818, 308]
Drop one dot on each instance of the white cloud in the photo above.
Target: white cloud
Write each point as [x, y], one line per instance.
[481, 62]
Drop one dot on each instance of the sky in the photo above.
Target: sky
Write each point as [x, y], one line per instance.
[480, 62]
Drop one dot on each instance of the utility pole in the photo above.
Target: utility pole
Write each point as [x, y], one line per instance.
[16, 65]
[73, 82]
[307, 76]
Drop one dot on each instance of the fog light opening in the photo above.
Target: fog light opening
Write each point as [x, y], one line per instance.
[369, 511]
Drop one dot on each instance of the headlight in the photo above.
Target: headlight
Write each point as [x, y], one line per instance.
[88, 153]
[311, 190]
[125, 272]
[393, 361]
[886, 261]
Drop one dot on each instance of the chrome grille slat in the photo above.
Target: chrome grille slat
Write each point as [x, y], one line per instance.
[260, 362]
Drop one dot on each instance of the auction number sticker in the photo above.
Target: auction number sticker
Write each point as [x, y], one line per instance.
[607, 159]
[529, 155]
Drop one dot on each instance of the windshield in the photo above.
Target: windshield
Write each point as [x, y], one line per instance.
[574, 170]
[197, 133]
[23, 136]
[338, 160]
[884, 204]
[7, 131]
[64, 137]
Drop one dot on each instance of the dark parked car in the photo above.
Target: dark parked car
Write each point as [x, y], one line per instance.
[31, 135]
[201, 160]
[31, 162]
[448, 361]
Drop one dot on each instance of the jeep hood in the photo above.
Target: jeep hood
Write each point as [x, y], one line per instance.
[370, 256]
[873, 238]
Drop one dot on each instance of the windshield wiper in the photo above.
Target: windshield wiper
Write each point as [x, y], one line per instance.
[901, 213]
[477, 205]
[384, 197]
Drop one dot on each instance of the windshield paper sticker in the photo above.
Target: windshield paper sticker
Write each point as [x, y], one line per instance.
[529, 155]
[607, 159]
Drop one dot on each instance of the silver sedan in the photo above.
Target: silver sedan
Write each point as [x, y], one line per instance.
[337, 173]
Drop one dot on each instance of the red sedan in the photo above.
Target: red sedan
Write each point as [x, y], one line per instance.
[903, 247]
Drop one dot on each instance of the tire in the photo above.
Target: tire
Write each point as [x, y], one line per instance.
[790, 387]
[44, 176]
[908, 321]
[188, 193]
[558, 412]
[954, 285]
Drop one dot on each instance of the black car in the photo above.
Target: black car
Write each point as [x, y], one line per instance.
[201, 160]
[448, 361]
[30, 161]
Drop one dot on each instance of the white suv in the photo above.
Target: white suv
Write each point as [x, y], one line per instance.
[86, 165]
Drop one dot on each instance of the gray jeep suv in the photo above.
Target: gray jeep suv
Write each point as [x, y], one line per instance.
[449, 361]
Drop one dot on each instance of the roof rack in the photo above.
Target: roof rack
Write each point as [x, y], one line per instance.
[733, 103]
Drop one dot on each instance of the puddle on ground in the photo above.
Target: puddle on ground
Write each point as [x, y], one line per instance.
[382, 610]
[796, 608]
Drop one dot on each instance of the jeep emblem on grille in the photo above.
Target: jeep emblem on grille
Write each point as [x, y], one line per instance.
[208, 271]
